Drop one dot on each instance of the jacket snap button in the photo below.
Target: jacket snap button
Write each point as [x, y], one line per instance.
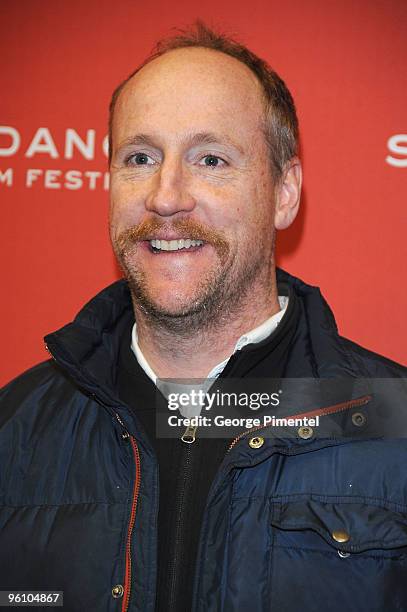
[305, 432]
[340, 536]
[256, 442]
[358, 419]
[117, 591]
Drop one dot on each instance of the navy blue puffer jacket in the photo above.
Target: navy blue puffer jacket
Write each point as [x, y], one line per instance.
[290, 524]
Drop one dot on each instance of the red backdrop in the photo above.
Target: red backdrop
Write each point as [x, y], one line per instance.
[345, 63]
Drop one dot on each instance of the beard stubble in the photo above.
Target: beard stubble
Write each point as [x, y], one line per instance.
[220, 293]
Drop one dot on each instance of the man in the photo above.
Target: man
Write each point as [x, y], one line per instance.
[204, 170]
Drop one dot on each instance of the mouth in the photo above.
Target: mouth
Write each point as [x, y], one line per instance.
[175, 246]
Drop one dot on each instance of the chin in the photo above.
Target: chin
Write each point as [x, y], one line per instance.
[171, 307]
[169, 302]
[179, 307]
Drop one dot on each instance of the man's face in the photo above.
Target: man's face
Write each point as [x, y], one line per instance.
[192, 197]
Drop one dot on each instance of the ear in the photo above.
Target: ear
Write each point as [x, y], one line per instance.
[288, 194]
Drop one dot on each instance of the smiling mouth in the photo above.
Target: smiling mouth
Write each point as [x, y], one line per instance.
[183, 244]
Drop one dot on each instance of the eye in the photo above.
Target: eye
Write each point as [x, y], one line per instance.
[213, 161]
[139, 159]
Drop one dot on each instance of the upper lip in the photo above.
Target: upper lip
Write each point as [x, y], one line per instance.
[169, 236]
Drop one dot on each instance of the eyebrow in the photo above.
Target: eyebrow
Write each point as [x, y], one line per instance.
[192, 140]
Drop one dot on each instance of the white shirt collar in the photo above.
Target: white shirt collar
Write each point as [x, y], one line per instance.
[252, 337]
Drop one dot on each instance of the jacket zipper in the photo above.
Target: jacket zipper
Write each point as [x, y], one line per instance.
[136, 489]
[360, 401]
[188, 437]
[181, 492]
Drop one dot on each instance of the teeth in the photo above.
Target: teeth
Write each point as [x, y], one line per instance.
[174, 245]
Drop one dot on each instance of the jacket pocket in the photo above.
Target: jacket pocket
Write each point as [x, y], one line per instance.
[342, 551]
[344, 524]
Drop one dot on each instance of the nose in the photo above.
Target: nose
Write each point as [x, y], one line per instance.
[170, 191]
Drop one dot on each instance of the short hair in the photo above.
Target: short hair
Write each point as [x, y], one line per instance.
[280, 120]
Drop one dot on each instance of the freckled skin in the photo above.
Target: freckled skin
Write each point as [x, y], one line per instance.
[172, 99]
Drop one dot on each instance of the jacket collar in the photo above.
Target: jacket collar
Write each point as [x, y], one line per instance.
[87, 349]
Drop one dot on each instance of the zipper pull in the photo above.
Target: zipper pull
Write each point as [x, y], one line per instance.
[125, 434]
[189, 435]
[48, 351]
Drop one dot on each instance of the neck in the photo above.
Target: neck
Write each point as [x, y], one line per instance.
[172, 355]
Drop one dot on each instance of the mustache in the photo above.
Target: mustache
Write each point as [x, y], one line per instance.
[184, 228]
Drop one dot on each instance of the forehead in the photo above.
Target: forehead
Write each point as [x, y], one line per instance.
[191, 89]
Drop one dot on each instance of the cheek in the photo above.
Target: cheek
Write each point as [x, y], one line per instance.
[125, 205]
[264, 198]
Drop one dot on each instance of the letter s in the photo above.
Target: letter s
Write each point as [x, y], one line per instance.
[395, 145]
